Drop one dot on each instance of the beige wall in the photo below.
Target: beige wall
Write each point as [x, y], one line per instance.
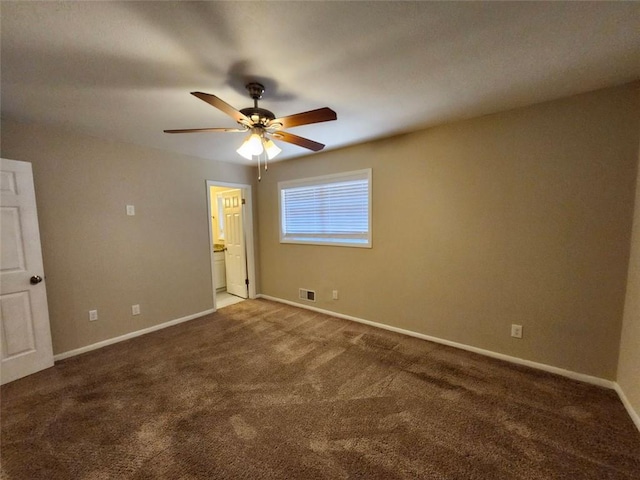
[629, 363]
[519, 217]
[97, 257]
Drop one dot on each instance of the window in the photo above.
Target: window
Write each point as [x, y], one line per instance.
[327, 210]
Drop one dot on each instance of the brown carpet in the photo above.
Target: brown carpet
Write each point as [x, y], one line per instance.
[261, 390]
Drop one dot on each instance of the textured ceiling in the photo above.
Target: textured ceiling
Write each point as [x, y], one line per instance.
[124, 70]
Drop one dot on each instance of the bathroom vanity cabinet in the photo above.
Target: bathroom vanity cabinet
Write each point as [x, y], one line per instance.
[219, 270]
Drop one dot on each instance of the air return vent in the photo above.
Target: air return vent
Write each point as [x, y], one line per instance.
[309, 295]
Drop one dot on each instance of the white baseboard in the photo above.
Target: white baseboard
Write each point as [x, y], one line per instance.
[601, 382]
[625, 401]
[121, 338]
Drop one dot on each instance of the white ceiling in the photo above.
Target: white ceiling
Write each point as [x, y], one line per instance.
[124, 70]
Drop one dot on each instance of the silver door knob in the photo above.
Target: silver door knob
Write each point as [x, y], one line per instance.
[35, 279]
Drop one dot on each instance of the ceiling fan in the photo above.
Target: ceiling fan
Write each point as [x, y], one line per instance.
[263, 125]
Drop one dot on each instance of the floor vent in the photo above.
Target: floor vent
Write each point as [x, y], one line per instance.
[309, 295]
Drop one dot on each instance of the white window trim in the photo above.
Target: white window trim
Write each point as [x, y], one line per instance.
[320, 180]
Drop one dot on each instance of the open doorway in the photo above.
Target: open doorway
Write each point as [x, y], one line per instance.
[231, 242]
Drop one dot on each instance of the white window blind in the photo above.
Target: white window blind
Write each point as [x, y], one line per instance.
[328, 210]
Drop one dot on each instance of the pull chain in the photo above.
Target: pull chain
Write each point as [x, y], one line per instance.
[259, 174]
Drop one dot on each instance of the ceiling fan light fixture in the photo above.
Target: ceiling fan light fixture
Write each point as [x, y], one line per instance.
[254, 143]
[243, 151]
[251, 147]
[271, 148]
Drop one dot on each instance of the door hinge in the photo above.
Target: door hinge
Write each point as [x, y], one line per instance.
[246, 282]
[243, 201]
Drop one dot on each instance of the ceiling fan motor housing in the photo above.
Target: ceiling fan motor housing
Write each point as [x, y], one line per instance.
[260, 116]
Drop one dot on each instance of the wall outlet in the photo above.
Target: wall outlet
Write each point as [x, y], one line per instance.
[135, 309]
[516, 331]
[131, 210]
[93, 315]
[335, 295]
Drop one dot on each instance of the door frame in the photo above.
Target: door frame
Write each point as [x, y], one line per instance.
[247, 220]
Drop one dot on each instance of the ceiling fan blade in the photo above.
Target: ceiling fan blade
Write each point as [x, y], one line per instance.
[224, 106]
[296, 140]
[196, 130]
[305, 118]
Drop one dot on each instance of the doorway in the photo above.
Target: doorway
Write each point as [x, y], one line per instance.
[231, 242]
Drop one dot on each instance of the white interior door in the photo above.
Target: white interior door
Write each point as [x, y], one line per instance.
[25, 336]
[236, 261]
